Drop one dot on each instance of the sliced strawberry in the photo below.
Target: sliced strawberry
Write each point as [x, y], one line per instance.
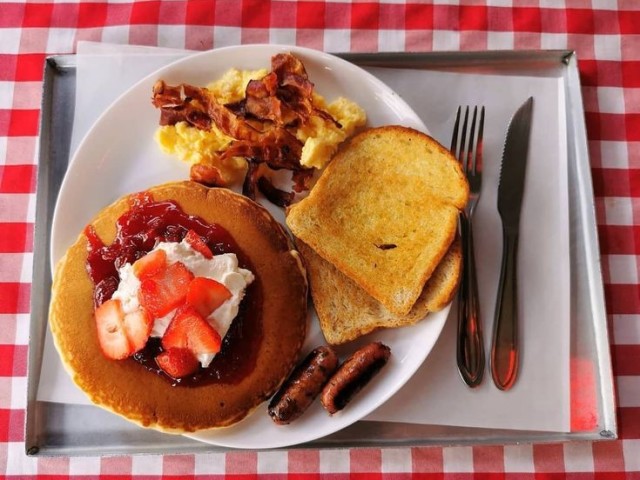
[177, 362]
[166, 290]
[111, 331]
[199, 245]
[151, 264]
[137, 326]
[205, 295]
[189, 330]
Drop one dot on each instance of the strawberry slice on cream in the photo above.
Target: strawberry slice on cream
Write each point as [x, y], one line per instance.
[121, 334]
[166, 290]
[198, 244]
[189, 330]
[206, 295]
[151, 264]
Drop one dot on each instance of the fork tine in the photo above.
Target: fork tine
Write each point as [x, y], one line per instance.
[470, 159]
[454, 137]
[463, 154]
[477, 167]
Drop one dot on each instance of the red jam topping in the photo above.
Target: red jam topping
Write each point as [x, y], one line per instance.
[139, 230]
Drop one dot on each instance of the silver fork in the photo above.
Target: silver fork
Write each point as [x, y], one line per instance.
[470, 346]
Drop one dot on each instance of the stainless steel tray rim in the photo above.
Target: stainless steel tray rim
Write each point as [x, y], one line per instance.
[43, 436]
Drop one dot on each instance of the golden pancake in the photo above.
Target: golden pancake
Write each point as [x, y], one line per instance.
[125, 387]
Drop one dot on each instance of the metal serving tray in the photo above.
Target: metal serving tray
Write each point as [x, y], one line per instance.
[60, 429]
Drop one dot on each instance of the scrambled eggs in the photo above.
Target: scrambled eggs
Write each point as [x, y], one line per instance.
[320, 137]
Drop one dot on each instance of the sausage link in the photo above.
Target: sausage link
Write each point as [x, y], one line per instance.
[353, 375]
[303, 385]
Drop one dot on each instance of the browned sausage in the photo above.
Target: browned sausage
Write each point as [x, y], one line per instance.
[303, 385]
[353, 375]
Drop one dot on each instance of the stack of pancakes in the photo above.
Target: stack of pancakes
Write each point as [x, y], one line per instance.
[378, 232]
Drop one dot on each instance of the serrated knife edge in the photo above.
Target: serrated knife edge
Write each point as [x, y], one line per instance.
[513, 166]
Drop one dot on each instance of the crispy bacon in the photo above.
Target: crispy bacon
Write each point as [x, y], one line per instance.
[283, 63]
[207, 175]
[260, 123]
[284, 96]
[166, 96]
[295, 87]
[176, 107]
[279, 149]
[251, 181]
[302, 180]
[274, 195]
[262, 102]
[228, 122]
[256, 180]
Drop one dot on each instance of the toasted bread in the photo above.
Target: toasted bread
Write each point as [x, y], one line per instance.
[124, 386]
[346, 312]
[384, 212]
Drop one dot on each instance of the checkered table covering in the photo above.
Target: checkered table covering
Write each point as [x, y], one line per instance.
[606, 36]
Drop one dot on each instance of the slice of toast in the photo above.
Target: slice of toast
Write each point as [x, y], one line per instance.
[384, 212]
[346, 312]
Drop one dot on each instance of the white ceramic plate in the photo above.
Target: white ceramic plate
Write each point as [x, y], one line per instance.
[119, 156]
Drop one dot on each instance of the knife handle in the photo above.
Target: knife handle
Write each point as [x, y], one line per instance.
[504, 348]
[470, 345]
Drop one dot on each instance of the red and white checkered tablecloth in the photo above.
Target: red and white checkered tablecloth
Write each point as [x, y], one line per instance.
[606, 35]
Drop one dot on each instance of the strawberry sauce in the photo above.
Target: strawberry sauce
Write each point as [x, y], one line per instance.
[147, 223]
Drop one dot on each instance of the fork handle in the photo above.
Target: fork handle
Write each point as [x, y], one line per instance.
[470, 345]
[504, 348]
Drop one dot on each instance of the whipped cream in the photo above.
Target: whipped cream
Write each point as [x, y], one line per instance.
[221, 268]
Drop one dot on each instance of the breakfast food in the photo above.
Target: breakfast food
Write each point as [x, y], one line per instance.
[303, 385]
[384, 212]
[234, 373]
[272, 120]
[346, 312]
[353, 375]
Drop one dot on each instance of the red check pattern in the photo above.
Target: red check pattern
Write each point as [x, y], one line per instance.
[606, 36]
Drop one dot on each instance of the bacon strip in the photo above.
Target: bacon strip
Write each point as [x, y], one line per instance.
[176, 107]
[206, 175]
[255, 180]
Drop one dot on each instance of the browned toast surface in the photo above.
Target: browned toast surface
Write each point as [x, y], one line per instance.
[384, 212]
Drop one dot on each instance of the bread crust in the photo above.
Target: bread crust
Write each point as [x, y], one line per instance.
[346, 312]
[125, 387]
[385, 212]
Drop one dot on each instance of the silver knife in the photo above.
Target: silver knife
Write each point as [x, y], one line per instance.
[505, 349]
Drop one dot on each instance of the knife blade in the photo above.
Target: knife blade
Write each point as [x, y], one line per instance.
[504, 359]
